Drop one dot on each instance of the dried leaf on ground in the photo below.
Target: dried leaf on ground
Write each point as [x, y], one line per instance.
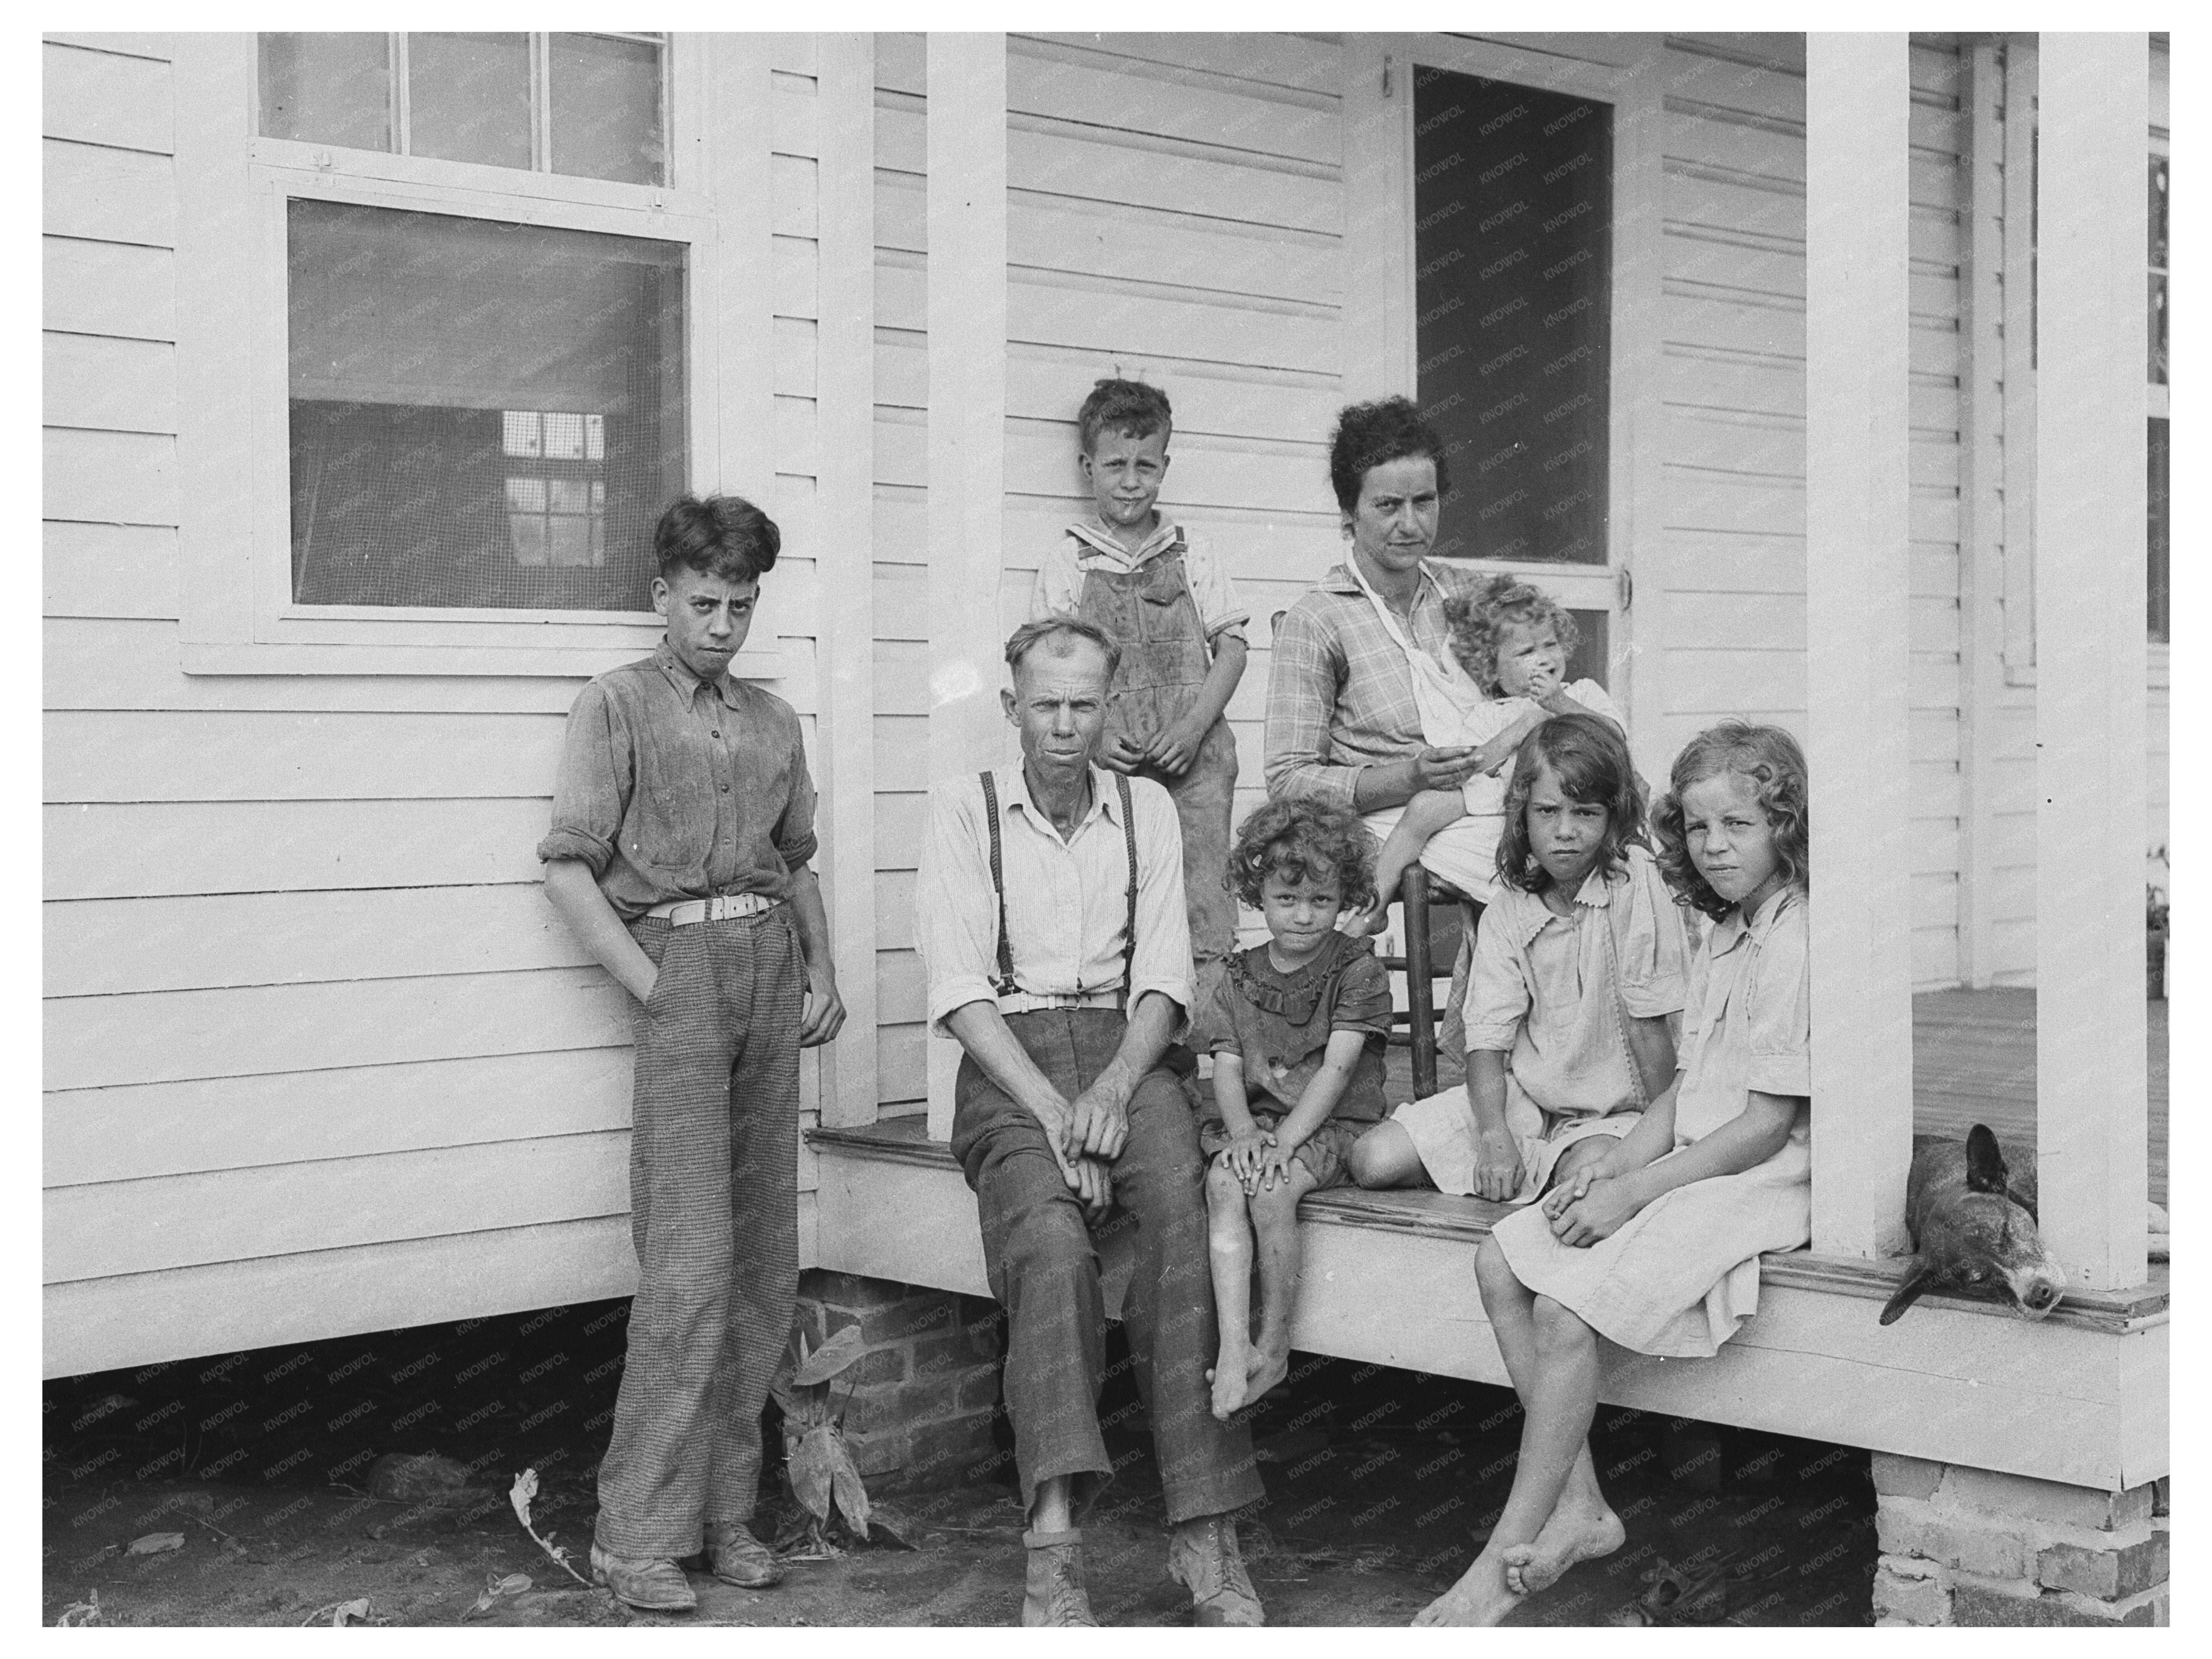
[77, 1614]
[887, 1526]
[495, 1587]
[154, 1543]
[343, 1614]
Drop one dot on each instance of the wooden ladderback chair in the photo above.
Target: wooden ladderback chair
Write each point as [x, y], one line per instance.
[1435, 947]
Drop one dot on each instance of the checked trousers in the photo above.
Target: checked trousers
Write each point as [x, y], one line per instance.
[715, 1219]
[1043, 1269]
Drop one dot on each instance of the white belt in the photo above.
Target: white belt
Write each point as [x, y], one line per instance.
[682, 913]
[1025, 1002]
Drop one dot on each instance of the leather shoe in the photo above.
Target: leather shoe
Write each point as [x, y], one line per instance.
[1053, 1592]
[736, 1556]
[658, 1585]
[1203, 1558]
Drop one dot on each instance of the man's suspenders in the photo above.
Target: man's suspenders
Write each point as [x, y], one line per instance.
[1002, 985]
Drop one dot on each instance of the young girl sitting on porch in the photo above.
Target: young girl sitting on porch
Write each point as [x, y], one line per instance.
[1577, 966]
[1513, 641]
[1656, 1245]
[1300, 1023]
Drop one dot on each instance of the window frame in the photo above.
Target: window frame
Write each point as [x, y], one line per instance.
[238, 616]
[1381, 330]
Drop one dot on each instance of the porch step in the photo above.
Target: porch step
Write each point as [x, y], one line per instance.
[1467, 1221]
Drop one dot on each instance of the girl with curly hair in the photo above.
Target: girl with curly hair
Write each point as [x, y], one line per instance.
[1656, 1245]
[1513, 641]
[1297, 1027]
[1577, 971]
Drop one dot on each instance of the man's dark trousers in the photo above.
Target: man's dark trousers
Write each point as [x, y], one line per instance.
[1043, 1269]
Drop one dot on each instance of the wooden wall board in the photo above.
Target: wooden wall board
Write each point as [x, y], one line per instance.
[134, 1131]
[109, 570]
[108, 195]
[99, 97]
[237, 1215]
[108, 477]
[174, 1035]
[109, 288]
[102, 1324]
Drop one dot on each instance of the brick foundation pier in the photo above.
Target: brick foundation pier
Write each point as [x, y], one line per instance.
[1970, 1547]
[924, 1396]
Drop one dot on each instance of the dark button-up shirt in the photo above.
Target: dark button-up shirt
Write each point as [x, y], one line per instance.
[672, 787]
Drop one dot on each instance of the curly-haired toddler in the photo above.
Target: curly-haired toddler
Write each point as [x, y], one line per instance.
[1297, 1028]
[1514, 641]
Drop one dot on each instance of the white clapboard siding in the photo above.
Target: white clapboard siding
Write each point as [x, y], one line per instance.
[100, 1324]
[1733, 388]
[132, 1131]
[230, 1215]
[318, 1055]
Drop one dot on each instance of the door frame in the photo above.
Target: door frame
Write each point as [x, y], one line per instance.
[1623, 70]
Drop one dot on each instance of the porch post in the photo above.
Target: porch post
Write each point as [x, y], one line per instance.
[845, 517]
[1857, 594]
[2091, 655]
[966, 135]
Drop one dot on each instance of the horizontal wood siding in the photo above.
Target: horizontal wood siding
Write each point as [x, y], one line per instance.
[1734, 284]
[320, 1058]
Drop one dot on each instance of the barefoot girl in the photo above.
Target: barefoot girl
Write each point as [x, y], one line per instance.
[1656, 1245]
[1300, 1023]
[1578, 965]
[1513, 639]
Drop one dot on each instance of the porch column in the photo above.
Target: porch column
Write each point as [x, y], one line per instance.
[967, 313]
[1857, 591]
[844, 517]
[2091, 655]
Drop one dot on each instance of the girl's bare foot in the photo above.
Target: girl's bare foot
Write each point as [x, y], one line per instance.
[1575, 1532]
[1229, 1390]
[1268, 1366]
[1482, 1597]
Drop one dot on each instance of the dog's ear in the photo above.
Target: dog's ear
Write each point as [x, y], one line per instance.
[1919, 1280]
[1985, 1164]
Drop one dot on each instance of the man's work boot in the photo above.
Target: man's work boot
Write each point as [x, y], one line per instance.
[1203, 1558]
[655, 1585]
[736, 1556]
[1054, 1593]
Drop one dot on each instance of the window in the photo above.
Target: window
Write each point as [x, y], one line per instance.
[591, 105]
[482, 414]
[1512, 301]
[457, 317]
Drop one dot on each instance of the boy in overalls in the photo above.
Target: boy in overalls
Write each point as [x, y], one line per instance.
[1168, 603]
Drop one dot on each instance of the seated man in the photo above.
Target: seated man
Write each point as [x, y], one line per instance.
[1051, 921]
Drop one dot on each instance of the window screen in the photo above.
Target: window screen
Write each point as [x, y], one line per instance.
[482, 414]
[593, 106]
[1513, 261]
[2161, 531]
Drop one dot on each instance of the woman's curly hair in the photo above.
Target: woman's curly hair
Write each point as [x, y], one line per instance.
[1479, 620]
[1590, 758]
[1769, 758]
[1373, 435]
[1303, 841]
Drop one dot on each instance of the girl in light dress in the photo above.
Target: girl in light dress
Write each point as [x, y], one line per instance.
[1577, 968]
[1655, 1246]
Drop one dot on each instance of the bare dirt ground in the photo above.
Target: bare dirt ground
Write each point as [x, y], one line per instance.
[1379, 1484]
